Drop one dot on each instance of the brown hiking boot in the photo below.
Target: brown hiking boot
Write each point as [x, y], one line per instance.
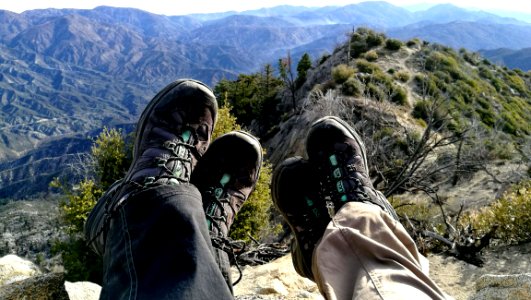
[295, 191]
[172, 134]
[338, 154]
[226, 175]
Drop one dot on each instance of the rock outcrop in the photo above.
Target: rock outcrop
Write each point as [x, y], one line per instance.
[493, 287]
[275, 280]
[14, 268]
[21, 279]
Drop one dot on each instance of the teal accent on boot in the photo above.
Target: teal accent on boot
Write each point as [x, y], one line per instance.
[340, 187]
[186, 135]
[218, 193]
[337, 173]
[333, 160]
[316, 212]
[344, 198]
[308, 201]
[224, 179]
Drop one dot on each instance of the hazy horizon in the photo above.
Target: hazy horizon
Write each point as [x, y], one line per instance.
[209, 6]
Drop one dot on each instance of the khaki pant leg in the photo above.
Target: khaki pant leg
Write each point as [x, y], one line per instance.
[365, 254]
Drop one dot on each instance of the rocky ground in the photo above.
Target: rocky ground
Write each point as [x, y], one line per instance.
[278, 279]
[505, 275]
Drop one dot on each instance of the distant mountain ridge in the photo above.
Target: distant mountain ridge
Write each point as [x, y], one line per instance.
[511, 58]
[66, 73]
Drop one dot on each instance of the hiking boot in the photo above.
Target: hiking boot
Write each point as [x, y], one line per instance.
[339, 155]
[226, 175]
[173, 132]
[295, 191]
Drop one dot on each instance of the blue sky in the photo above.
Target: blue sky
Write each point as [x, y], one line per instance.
[179, 7]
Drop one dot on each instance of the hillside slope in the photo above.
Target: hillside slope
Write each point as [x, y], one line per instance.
[467, 114]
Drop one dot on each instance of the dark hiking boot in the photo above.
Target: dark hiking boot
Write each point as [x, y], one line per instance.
[338, 153]
[173, 132]
[226, 175]
[295, 191]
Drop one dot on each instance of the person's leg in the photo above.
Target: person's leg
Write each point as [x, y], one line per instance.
[158, 247]
[364, 252]
[150, 227]
[376, 257]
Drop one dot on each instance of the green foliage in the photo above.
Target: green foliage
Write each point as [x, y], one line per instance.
[352, 87]
[371, 56]
[441, 61]
[252, 97]
[512, 213]
[402, 76]
[112, 156]
[363, 39]
[423, 110]
[324, 58]
[374, 91]
[226, 122]
[367, 67]
[77, 204]
[393, 44]
[517, 83]
[399, 96]
[305, 63]
[427, 86]
[341, 73]
[413, 42]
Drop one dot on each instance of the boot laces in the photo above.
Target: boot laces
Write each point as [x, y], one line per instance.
[215, 214]
[180, 157]
[340, 184]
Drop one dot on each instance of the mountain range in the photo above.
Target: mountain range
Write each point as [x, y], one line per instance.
[67, 73]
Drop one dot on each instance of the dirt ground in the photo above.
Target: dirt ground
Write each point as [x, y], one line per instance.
[458, 278]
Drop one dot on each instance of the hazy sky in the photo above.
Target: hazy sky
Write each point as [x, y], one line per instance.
[179, 7]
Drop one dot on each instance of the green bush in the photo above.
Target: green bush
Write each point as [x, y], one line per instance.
[352, 87]
[374, 39]
[341, 73]
[367, 67]
[402, 76]
[421, 110]
[427, 86]
[512, 213]
[441, 61]
[413, 42]
[324, 58]
[371, 56]
[399, 96]
[393, 44]
[364, 39]
[375, 92]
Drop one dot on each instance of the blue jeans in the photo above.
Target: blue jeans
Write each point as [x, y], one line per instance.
[156, 246]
